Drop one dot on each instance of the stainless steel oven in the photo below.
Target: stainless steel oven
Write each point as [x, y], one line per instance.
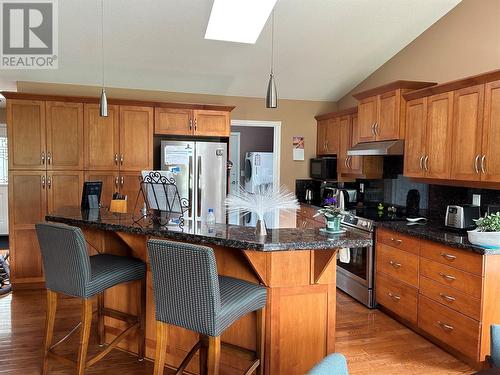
[356, 266]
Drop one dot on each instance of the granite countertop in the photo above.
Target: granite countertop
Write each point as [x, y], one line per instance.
[219, 234]
[436, 232]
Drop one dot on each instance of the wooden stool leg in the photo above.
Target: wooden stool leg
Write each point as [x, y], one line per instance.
[261, 331]
[100, 318]
[49, 328]
[213, 359]
[84, 335]
[141, 317]
[203, 355]
[161, 348]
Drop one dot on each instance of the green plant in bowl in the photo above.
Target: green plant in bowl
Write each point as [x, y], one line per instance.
[487, 233]
[489, 223]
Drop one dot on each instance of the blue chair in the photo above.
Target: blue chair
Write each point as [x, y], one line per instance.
[189, 293]
[334, 364]
[494, 358]
[70, 271]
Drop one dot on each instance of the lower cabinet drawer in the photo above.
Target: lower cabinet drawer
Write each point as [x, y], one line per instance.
[397, 297]
[400, 264]
[450, 297]
[449, 326]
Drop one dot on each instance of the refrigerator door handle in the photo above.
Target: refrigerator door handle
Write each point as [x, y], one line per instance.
[198, 201]
[190, 183]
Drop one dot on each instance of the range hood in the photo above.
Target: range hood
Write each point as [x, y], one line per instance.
[381, 148]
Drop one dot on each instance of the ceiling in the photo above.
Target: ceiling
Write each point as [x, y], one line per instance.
[323, 48]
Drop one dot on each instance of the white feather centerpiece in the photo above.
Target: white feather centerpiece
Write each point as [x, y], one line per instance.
[265, 200]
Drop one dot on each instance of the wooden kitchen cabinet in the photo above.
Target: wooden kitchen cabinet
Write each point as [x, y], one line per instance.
[211, 123]
[321, 137]
[389, 121]
[173, 121]
[416, 125]
[186, 121]
[26, 134]
[345, 137]
[367, 117]
[64, 133]
[64, 188]
[468, 104]
[490, 170]
[130, 186]
[136, 138]
[110, 184]
[101, 138]
[332, 136]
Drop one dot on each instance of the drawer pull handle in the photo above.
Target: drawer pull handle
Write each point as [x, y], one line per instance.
[446, 297]
[448, 256]
[447, 277]
[445, 326]
[397, 240]
[395, 264]
[395, 297]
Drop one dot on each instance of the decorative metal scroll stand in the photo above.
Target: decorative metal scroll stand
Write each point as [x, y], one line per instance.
[164, 205]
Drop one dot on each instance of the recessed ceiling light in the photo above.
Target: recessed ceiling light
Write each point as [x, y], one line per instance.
[238, 20]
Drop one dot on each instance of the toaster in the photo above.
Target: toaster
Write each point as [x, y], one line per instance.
[462, 217]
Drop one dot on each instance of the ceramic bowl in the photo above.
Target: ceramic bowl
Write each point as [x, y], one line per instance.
[488, 239]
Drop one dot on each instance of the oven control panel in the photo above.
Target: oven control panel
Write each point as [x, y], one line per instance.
[358, 222]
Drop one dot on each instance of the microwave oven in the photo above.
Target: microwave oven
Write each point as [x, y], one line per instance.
[324, 168]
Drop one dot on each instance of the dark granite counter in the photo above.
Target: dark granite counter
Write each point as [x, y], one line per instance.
[219, 234]
[436, 232]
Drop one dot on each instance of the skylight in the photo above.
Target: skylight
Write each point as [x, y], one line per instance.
[238, 20]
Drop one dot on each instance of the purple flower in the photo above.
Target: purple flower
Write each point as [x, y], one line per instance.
[330, 201]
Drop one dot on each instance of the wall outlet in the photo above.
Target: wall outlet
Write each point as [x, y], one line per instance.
[476, 199]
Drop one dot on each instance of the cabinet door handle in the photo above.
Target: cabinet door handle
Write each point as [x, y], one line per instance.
[121, 159]
[395, 297]
[116, 182]
[446, 327]
[447, 277]
[422, 162]
[42, 156]
[350, 162]
[448, 256]
[345, 162]
[195, 124]
[122, 181]
[395, 264]
[397, 240]
[326, 144]
[446, 297]
[49, 182]
[43, 182]
[373, 130]
[116, 159]
[483, 168]
[49, 157]
[190, 124]
[376, 129]
[476, 165]
[426, 163]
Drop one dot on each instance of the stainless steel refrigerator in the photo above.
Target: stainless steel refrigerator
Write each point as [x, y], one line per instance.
[200, 172]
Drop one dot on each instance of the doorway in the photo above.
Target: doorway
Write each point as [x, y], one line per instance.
[254, 151]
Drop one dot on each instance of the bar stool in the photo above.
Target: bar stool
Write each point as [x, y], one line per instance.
[188, 293]
[70, 271]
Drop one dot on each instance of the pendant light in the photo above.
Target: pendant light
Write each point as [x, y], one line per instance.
[103, 103]
[272, 94]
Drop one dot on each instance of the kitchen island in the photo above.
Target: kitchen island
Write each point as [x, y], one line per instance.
[298, 266]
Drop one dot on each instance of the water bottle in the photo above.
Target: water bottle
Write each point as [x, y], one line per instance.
[210, 220]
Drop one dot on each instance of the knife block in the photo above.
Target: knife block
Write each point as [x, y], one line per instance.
[118, 205]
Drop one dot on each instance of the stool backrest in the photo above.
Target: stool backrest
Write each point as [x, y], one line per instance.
[185, 284]
[495, 344]
[65, 259]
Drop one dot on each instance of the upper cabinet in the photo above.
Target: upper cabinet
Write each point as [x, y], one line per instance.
[328, 132]
[136, 138]
[453, 130]
[186, 121]
[381, 111]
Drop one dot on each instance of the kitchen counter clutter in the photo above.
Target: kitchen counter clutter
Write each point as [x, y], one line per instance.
[219, 234]
[437, 232]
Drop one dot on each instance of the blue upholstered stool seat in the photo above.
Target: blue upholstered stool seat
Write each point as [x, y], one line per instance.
[333, 364]
[109, 270]
[238, 298]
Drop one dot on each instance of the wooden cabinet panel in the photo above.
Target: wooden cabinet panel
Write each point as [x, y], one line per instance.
[64, 188]
[438, 135]
[344, 144]
[491, 133]
[355, 162]
[130, 186]
[367, 117]
[463, 260]
[388, 123]
[136, 138]
[64, 135]
[452, 277]
[26, 134]
[447, 296]
[397, 297]
[416, 123]
[399, 264]
[398, 240]
[101, 135]
[467, 131]
[173, 121]
[110, 184]
[332, 136]
[321, 135]
[26, 261]
[451, 327]
[211, 123]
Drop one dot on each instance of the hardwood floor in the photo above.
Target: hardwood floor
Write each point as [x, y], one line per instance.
[372, 342]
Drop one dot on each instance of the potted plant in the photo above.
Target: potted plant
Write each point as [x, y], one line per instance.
[332, 214]
[487, 233]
